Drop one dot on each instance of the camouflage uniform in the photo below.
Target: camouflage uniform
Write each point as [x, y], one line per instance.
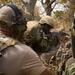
[15, 57]
[34, 35]
[51, 39]
[70, 64]
[70, 67]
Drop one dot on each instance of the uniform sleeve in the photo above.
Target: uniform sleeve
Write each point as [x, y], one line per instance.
[31, 64]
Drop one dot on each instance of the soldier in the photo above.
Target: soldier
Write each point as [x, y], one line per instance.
[70, 64]
[15, 57]
[19, 18]
[37, 33]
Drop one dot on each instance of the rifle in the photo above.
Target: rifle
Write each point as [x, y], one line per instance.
[73, 37]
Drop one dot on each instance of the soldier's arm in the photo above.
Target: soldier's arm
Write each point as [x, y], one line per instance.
[32, 65]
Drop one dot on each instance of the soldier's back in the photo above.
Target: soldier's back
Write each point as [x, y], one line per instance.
[12, 53]
[11, 58]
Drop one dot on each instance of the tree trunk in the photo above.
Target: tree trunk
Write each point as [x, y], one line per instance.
[30, 6]
[48, 6]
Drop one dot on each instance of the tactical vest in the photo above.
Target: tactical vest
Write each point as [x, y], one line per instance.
[4, 43]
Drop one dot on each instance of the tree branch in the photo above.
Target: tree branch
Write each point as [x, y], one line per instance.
[51, 2]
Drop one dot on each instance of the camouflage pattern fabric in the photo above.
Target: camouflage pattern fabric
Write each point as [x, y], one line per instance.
[4, 43]
[52, 41]
[70, 70]
[34, 35]
[70, 66]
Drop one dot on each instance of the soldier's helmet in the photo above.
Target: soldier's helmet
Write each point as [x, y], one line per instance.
[47, 20]
[9, 14]
[6, 14]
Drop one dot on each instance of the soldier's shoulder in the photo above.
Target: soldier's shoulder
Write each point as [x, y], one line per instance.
[6, 42]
